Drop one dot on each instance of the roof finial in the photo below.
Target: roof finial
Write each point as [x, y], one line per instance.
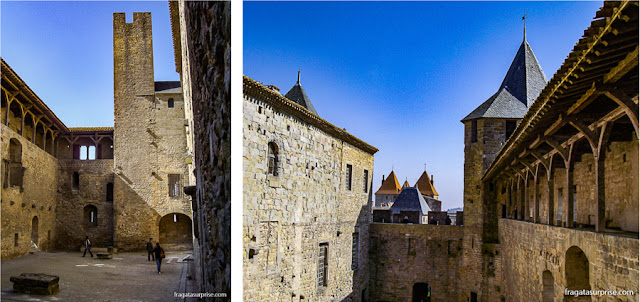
[524, 22]
[425, 167]
[298, 76]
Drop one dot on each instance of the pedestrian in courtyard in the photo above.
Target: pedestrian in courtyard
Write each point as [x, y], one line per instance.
[159, 253]
[150, 255]
[447, 221]
[87, 247]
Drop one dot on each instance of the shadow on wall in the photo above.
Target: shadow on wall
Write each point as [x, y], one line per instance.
[135, 221]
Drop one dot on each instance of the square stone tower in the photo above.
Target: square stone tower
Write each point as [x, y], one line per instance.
[150, 144]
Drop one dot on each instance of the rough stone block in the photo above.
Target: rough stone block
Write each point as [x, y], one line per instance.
[36, 283]
[104, 256]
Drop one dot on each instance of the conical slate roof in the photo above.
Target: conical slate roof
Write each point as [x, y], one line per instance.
[519, 89]
[390, 185]
[410, 199]
[425, 186]
[297, 95]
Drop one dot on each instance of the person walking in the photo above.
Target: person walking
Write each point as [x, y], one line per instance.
[87, 247]
[159, 253]
[150, 255]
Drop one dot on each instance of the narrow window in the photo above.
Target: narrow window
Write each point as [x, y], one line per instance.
[323, 264]
[273, 159]
[91, 152]
[170, 103]
[174, 185]
[510, 126]
[355, 250]
[91, 215]
[474, 131]
[411, 246]
[559, 206]
[76, 181]
[15, 240]
[175, 218]
[474, 297]
[110, 191]
[348, 177]
[83, 152]
[366, 181]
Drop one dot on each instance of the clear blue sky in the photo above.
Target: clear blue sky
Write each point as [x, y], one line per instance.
[401, 75]
[64, 52]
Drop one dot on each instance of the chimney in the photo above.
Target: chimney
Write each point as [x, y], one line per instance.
[432, 179]
[382, 179]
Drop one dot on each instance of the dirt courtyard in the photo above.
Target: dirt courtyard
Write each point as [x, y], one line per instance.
[126, 277]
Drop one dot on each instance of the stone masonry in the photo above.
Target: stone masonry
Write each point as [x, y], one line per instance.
[305, 232]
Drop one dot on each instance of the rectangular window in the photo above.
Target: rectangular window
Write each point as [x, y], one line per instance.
[559, 206]
[348, 177]
[15, 240]
[365, 181]
[323, 264]
[355, 250]
[510, 126]
[411, 246]
[474, 297]
[76, 181]
[110, 191]
[474, 131]
[174, 185]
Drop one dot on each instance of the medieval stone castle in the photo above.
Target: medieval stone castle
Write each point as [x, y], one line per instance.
[550, 191]
[148, 176]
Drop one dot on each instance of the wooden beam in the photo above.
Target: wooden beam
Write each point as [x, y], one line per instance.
[589, 134]
[624, 66]
[626, 103]
[556, 146]
[540, 157]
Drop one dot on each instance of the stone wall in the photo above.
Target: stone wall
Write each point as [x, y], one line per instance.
[529, 249]
[71, 220]
[149, 138]
[403, 255]
[205, 42]
[289, 217]
[36, 198]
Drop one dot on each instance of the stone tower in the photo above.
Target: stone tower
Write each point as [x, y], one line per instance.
[150, 155]
[486, 130]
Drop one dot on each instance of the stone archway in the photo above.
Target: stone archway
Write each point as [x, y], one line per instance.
[421, 292]
[576, 268]
[176, 232]
[34, 230]
[548, 290]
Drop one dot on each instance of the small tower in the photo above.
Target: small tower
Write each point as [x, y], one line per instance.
[299, 96]
[387, 192]
[428, 191]
[486, 130]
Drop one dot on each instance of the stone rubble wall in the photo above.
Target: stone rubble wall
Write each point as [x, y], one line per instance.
[36, 199]
[287, 217]
[528, 249]
[403, 255]
[70, 217]
[205, 33]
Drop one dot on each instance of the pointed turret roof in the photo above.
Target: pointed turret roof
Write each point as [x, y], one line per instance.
[390, 185]
[299, 96]
[405, 184]
[410, 199]
[519, 89]
[425, 186]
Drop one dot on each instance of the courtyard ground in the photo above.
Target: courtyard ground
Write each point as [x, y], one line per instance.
[126, 277]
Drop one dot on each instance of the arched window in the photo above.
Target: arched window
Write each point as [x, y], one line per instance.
[272, 159]
[91, 215]
[170, 103]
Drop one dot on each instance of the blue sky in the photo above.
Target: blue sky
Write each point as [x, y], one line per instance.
[64, 52]
[401, 75]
